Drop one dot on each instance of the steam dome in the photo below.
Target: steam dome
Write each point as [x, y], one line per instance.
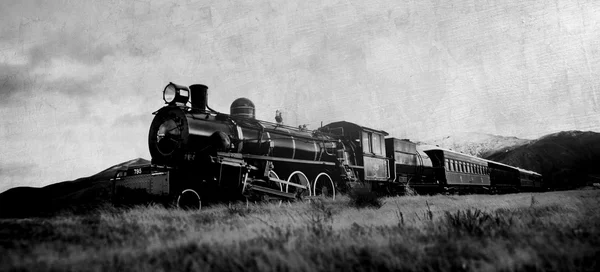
[242, 107]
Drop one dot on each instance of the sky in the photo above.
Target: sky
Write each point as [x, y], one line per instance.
[79, 80]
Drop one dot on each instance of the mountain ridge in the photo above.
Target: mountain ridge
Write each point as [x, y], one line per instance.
[476, 143]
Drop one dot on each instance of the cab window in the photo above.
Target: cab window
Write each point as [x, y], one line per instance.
[376, 143]
[373, 143]
[366, 142]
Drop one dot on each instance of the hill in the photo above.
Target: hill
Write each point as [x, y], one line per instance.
[67, 195]
[477, 144]
[565, 159]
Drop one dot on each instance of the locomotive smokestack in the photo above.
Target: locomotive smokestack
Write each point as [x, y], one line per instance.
[199, 96]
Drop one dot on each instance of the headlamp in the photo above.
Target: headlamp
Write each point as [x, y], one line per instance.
[174, 94]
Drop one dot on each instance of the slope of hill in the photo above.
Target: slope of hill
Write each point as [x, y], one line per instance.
[75, 194]
[565, 159]
[477, 144]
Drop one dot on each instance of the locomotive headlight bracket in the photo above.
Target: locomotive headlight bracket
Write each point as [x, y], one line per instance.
[176, 94]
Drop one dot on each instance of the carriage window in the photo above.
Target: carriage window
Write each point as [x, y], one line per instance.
[447, 164]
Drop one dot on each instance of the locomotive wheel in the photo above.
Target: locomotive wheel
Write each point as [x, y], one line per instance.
[299, 178]
[272, 174]
[323, 186]
[189, 200]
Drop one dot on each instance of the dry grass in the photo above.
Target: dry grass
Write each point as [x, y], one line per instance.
[542, 231]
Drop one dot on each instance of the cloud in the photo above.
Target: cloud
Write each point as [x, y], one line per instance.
[133, 119]
[19, 83]
[12, 173]
[61, 61]
[12, 78]
[15, 168]
[76, 45]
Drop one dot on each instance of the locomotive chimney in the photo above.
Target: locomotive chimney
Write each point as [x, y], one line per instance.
[199, 96]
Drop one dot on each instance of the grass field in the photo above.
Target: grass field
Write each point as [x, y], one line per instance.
[556, 231]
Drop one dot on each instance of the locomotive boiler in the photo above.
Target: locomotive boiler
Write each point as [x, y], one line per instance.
[179, 134]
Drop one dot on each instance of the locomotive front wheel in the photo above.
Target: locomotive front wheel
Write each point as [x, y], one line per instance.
[299, 178]
[323, 186]
[189, 200]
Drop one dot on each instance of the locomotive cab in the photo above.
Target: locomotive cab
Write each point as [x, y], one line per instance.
[366, 152]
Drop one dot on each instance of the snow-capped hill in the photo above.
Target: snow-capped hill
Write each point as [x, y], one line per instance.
[477, 144]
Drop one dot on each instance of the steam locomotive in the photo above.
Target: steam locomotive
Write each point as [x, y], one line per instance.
[199, 154]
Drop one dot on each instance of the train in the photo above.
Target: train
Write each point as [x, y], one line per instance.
[200, 155]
